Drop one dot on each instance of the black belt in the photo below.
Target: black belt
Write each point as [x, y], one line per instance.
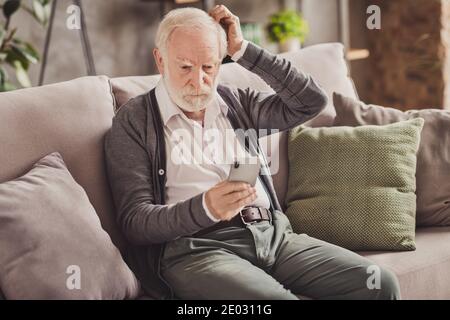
[246, 216]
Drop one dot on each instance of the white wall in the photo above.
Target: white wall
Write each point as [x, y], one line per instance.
[322, 16]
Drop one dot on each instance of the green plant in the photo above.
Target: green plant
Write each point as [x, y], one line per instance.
[15, 52]
[287, 24]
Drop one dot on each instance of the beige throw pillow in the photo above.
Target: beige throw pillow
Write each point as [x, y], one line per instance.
[52, 245]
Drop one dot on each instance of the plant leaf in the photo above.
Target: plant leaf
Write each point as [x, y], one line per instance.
[26, 51]
[287, 24]
[7, 86]
[2, 35]
[3, 76]
[31, 51]
[48, 11]
[22, 75]
[39, 11]
[10, 7]
[16, 55]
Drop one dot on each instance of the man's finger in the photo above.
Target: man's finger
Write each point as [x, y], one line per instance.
[233, 186]
[228, 20]
[221, 16]
[236, 196]
[222, 10]
[214, 11]
[221, 183]
[243, 202]
[220, 7]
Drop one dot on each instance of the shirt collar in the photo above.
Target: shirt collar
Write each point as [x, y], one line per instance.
[169, 109]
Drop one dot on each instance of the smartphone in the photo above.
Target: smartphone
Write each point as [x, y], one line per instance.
[245, 170]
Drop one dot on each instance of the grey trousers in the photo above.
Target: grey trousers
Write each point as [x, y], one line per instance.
[269, 261]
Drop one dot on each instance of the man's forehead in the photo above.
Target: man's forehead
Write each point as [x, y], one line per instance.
[207, 59]
[193, 46]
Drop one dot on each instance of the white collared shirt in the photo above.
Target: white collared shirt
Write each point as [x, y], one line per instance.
[203, 164]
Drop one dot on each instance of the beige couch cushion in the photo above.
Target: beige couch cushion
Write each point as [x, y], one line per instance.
[424, 273]
[125, 88]
[50, 235]
[69, 117]
[326, 64]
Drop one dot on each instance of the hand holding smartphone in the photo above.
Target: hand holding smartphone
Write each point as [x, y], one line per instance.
[245, 170]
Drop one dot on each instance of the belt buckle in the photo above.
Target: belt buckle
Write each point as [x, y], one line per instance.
[248, 223]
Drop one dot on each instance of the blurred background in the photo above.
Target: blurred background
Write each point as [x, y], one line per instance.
[405, 64]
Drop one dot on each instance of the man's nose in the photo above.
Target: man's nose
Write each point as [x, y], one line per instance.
[198, 79]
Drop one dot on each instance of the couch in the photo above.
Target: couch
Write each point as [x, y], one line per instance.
[72, 117]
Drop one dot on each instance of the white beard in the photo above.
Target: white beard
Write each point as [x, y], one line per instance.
[185, 98]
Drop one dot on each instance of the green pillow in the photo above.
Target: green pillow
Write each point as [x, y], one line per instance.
[355, 187]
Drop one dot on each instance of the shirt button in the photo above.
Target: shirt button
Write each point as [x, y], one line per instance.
[161, 172]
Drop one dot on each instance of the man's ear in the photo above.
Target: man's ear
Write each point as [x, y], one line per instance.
[159, 60]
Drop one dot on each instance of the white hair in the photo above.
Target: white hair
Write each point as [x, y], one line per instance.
[189, 17]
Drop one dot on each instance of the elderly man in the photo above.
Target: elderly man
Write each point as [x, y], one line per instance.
[193, 234]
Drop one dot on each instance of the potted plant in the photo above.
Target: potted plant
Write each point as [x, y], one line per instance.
[288, 28]
[15, 53]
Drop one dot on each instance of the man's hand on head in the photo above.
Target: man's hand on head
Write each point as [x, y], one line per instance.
[232, 27]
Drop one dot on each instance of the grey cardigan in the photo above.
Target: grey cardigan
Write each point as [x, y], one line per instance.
[136, 163]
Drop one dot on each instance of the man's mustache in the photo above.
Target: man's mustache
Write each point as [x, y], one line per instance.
[195, 93]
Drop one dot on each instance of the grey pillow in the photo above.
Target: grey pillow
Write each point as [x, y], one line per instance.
[52, 245]
[433, 157]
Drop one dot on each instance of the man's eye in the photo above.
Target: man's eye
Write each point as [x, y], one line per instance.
[208, 67]
[185, 67]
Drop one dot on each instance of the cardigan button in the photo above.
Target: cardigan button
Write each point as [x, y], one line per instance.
[161, 172]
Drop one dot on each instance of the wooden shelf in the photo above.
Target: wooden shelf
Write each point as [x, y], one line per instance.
[357, 54]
